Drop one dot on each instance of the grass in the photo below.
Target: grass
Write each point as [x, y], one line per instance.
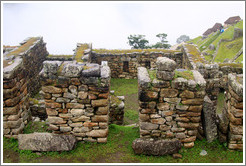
[152, 74]
[184, 74]
[195, 52]
[231, 64]
[220, 102]
[230, 49]
[132, 115]
[32, 127]
[80, 52]
[195, 40]
[239, 59]
[209, 40]
[58, 56]
[118, 149]
[123, 87]
[115, 100]
[120, 51]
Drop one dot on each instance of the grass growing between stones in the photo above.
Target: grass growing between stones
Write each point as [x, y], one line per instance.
[122, 51]
[220, 102]
[196, 55]
[32, 127]
[184, 74]
[118, 150]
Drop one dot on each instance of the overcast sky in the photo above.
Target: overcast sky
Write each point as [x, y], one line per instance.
[108, 24]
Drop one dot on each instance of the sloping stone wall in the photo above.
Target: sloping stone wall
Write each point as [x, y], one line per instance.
[134, 60]
[20, 80]
[170, 108]
[231, 119]
[77, 99]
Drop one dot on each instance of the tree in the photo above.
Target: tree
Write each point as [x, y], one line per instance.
[183, 38]
[163, 43]
[137, 41]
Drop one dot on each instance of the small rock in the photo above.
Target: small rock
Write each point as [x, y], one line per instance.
[177, 156]
[203, 153]
[37, 119]
[39, 154]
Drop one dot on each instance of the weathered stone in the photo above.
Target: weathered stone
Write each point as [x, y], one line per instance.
[182, 119]
[103, 95]
[209, 122]
[12, 102]
[173, 100]
[160, 83]
[179, 83]
[165, 64]
[182, 107]
[235, 146]
[193, 101]
[235, 129]
[195, 108]
[148, 126]
[91, 70]
[75, 105]
[80, 119]
[73, 89]
[147, 96]
[180, 135]
[78, 112]
[102, 111]
[100, 118]
[187, 94]
[46, 142]
[62, 100]
[72, 70]
[144, 117]
[102, 140]
[65, 129]
[189, 139]
[90, 124]
[51, 111]
[177, 156]
[189, 145]
[80, 129]
[105, 72]
[147, 111]
[165, 75]
[78, 124]
[188, 125]
[82, 95]
[55, 120]
[158, 121]
[169, 93]
[52, 105]
[51, 89]
[165, 127]
[155, 147]
[97, 133]
[99, 103]
[154, 116]
[143, 77]
[10, 110]
[163, 106]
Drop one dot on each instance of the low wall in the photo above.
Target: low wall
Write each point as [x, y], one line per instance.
[77, 99]
[170, 108]
[132, 61]
[21, 80]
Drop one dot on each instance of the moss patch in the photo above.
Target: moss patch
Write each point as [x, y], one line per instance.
[115, 100]
[196, 54]
[60, 56]
[124, 51]
[184, 74]
[80, 52]
[152, 74]
[234, 65]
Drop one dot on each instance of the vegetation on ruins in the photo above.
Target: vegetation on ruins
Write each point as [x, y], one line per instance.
[184, 74]
[182, 38]
[124, 51]
[80, 52]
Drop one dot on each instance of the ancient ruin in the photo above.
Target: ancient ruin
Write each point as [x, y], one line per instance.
[177, 96]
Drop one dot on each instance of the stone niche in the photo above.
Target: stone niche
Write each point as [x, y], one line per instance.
[21, 68]
[170, 106]
[77, 99]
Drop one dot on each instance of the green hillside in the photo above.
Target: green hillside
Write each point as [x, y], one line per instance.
[226, 49]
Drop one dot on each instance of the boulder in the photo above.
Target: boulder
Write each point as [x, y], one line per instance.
[165, 64]
[46, 142]
[156, 147]
[211, 47]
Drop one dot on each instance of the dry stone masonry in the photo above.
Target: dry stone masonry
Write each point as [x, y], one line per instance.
[77, 99]
[170, 108]
[21, 80]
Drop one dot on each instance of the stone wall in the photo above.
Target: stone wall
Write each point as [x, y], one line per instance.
[231, 120]
[20, 80]
[116, 111]
[77, 99]
[132, 61]
[170, 108]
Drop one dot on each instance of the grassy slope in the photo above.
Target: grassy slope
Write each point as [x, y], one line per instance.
[223, 51]
[195, 40]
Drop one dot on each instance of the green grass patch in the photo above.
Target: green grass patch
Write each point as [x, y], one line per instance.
[184, 74]
[131, 115]
[239, 59]
[152, 74]
[34, 100]
[195, 40]
[230, 49]
[32, 127]
[208, 41]
[118, 150]
[124, 87]
[115, 100]
[234, 65]
[220, 102]
[124, 51]
[60, 56]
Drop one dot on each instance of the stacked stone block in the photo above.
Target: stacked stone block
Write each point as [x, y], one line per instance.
[20, 80]
[77, 99]
[116, 112]
[135, 60]
[170, 108]
[231, 121]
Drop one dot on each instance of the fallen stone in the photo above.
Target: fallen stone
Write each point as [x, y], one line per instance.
[165, 64]
[150, 146]
[46, 142]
